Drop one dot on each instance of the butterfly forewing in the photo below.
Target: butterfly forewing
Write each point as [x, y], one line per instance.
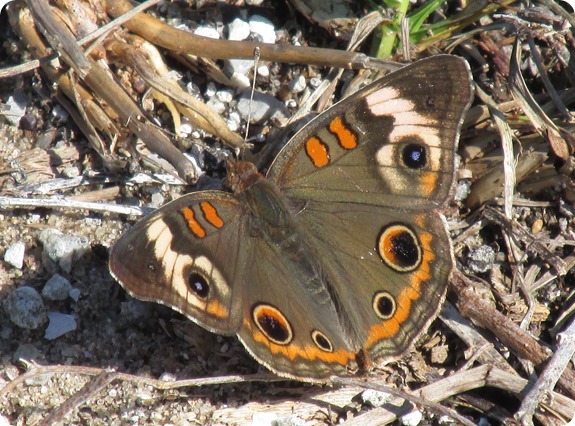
[175, 257]
[391, 143]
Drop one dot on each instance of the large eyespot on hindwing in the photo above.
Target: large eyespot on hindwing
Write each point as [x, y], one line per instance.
[321, 341]
[384, 305]
[399, 247]
[273, 324]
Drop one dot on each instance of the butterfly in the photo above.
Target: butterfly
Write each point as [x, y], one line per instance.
[338, 258]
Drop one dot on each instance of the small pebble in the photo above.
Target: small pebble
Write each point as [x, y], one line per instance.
[157, 200]
[315, 82]
[264, 28]
[16, 104]
[59, 114]
[59, 325]
[298, 84]
[412, 419]
[71, 172]
[28, 122]
[480, 259]
[27, 352]
[537, 226]
[238, 30]
[74, 294]
[186, 128]
[291, 104]
[234, 121]
[263, 71]
[134, 310]
[25, 308]
[462, 190]
[56, 288]
[439, 354]
[263, 107]
[216, 105]
[225, 96]
[237, 70]
[15, 254]
[62, 249]
[168, 377]
[375, 398]
[211, 89]
[207, 32]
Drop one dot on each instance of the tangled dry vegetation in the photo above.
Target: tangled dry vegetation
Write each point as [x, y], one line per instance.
[503, 346]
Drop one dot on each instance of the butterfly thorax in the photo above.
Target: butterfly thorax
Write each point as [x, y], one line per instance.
[270, 217]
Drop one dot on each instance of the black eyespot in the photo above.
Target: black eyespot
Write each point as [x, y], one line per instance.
[430, 102]
[273, 324]
[399, 248]
[384, 305]
[414, 156]
[321, 341]
[405, 249]
[199, 285]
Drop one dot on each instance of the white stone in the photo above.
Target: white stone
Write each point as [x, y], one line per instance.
[216, 105]
[297, 84]
[186, 128]
[59, 325]
[264, 28]
[238, 29]
[375, 398]
[209, 32]
[16, 104]
[412, 419]
[263, 71]
[14, 255]
[225, 96]
[62, 249]
[211, 89]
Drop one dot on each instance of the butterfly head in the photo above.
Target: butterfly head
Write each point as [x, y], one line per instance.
[241, 175]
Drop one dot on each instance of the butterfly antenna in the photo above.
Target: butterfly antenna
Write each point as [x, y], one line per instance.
[256, 64]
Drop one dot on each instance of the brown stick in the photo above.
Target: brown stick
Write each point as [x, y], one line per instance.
[517, 340]
[179, 41]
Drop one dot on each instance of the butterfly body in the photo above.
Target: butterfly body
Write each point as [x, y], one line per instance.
[338, 258]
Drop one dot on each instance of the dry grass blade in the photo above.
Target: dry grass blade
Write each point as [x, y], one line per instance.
[509, 171]
[119, 105]
[539, 119]
[58, 36]
[549, 376]
[133, 52]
